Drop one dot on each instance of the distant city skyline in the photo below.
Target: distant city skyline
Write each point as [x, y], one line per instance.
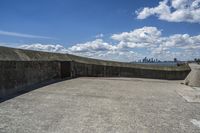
[104, 29]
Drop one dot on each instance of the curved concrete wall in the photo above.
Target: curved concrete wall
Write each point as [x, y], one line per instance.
[91, 70]
[22, 68]
[11, 54]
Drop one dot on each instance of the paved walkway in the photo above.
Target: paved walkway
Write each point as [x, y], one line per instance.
[91, 105]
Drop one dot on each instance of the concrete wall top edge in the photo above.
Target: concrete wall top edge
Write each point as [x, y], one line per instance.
[13, 54]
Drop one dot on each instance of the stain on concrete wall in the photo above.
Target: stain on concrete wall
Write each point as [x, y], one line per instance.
[91, 70]
[15, 75]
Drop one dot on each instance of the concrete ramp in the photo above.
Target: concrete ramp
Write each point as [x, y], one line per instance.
[193, 79]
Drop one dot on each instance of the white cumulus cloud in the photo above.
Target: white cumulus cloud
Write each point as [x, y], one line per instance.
[45, 47]
[173, 11]
[93, 46]
[100, 49]
[182, 46]
[142, 37]
[133, 45]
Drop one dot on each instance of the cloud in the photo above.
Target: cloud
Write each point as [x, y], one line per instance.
[99, 35]
[173, 11]
[95, 49]
[133, 45]
[138, 38]
[45, 47]
[15, 34]
[102, 50]
[150, 39]
[93, 46]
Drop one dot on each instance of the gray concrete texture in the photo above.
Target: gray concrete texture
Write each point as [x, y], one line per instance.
[92, 70]
[19, 75]
[22, 68]
[101, 105]
[193, 79]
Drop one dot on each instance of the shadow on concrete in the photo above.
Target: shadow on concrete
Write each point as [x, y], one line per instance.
[31, 88]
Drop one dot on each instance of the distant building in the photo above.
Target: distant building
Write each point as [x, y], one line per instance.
[149, 60]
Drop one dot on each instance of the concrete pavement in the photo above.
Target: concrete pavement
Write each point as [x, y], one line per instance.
[90, 105]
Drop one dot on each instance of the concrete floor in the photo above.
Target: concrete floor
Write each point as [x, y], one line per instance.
[91, 105]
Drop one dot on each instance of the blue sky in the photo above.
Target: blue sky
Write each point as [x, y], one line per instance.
[72, 22]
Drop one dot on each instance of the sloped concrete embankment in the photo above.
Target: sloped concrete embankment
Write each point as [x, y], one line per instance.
[193, 79]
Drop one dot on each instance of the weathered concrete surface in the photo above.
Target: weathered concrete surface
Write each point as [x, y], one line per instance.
[148, 71]
[17, 75]
[190, 94]
[22, 68]
[193, 79]
[102, 105]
